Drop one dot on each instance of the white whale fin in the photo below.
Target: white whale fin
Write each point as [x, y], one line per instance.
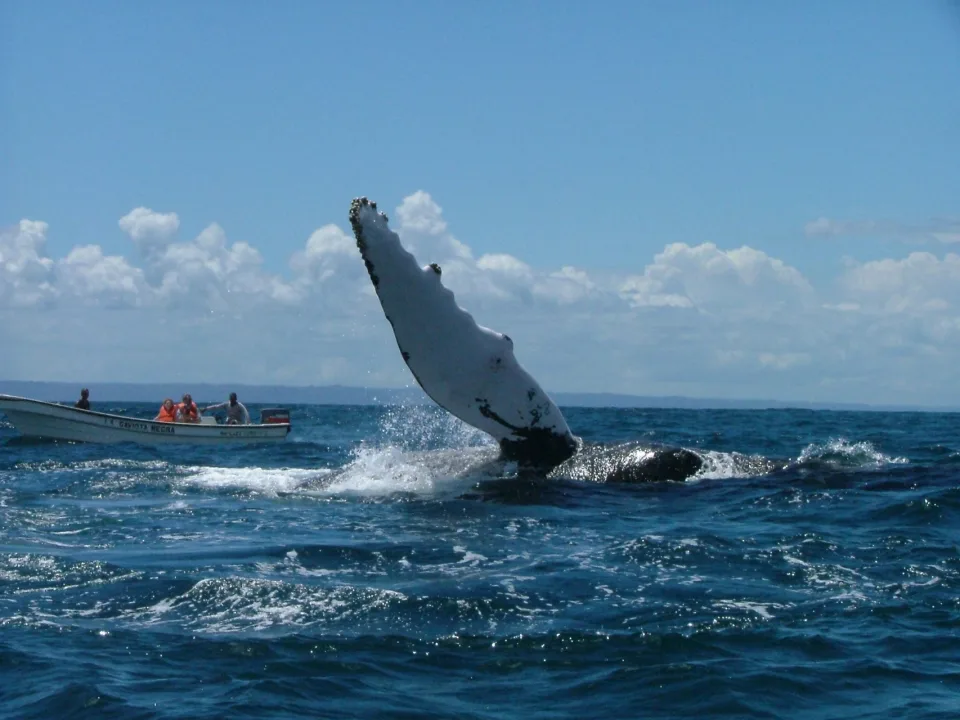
[467, 369]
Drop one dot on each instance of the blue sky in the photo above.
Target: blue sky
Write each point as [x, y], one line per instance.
[590, 135]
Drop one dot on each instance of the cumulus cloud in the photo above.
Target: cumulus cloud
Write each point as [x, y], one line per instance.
[149, 229]
[697, 319]
[739, 282]
[567, 286]
[329, 258]
[506, 265]
[419, 213]
[208, 269]
[26, 273]
[328, 277]
[424, 230]
[92, 277]
[208, 272]
[920, 283]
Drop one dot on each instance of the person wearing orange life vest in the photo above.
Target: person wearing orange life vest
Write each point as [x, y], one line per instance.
[168, 412]
[187, 411]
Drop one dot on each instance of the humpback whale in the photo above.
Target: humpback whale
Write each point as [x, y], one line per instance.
[471, 371]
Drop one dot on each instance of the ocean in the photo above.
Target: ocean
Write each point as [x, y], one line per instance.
[378, 566]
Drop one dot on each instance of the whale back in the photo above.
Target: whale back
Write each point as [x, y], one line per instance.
[467, 369]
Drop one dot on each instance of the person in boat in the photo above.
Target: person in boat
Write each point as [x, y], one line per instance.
[187, 411]
[84, 402]
[168, 412]
[236, 412]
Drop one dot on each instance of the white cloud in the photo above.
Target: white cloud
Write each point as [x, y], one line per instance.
[506, 265]
[738, 282]
[696, 320]
[842, 307]
[149, 229]
[921, 282]
[207, 269]
[210, 273]
[327, 275]
[941, 230]
[824, 226]
[424, 231]
[419, 213]
[328, 255]
[26, 273]
[782, 361]
[567, 286]
[946, 237]
[90, 276]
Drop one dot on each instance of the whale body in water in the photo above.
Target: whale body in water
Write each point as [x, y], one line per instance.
[471, 371]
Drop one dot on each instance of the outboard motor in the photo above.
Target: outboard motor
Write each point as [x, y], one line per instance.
[274, 416]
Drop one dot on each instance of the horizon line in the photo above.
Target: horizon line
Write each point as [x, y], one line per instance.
[690, 401]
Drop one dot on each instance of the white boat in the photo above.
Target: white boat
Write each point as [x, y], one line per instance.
[39, 419]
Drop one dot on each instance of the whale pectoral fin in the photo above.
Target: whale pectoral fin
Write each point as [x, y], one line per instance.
[496, 363]
[465, 368]
[483, 405]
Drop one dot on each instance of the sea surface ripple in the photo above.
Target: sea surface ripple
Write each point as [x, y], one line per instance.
[379, 565]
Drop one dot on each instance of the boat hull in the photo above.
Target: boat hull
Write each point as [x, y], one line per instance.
[38, 419]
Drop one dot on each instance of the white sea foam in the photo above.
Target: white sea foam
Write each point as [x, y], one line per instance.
[843, 453]
[391, 470]
[761, 609]
[469, 558]
[49, 466]
[382, 471]
[228, 605]
[265, 480]
[718, 465]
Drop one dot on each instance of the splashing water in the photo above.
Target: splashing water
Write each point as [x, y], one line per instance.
[383, 563]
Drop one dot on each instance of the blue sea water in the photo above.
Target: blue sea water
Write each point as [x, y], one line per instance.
[374, 567]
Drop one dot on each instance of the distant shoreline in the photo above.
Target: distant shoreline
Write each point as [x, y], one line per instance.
[345, 395]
